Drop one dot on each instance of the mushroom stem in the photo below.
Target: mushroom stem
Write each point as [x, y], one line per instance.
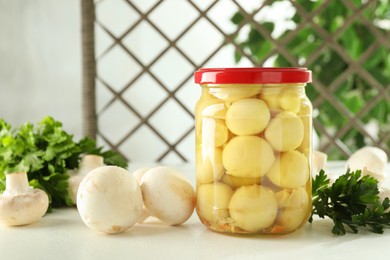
[16, 183]
[90, 162]
[87, 164]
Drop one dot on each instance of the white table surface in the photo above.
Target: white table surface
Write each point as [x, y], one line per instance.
[62, 235]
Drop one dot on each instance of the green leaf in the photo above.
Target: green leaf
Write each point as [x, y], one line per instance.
[46, 152]
[354, 39]
[338, 228]
[237, 57]
[351, 201]
[237, 18]
[320, 182]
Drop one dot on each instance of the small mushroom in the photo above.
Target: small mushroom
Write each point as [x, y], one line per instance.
[168, 195]
[319, 161]
[87, 164]
[138, 176]
[21, 204]
[109, 200]
[371, 160]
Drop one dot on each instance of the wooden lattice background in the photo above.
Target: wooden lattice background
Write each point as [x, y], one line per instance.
[120, 122]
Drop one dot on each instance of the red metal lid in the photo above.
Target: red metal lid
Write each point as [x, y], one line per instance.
[252, 75]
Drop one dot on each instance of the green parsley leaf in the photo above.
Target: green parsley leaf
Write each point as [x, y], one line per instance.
[46, 152]
[351, 201]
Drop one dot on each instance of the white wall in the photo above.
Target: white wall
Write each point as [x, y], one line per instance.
[40, 65]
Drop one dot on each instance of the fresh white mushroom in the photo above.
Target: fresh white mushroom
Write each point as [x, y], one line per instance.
[87, 164]
[168, 195]
[21, 204]
[319, 161]
[140, 172]
[138, 176]
[384, 192]
[109, 200]
[371, 160]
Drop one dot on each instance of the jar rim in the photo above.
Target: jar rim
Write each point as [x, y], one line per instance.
[259, 75]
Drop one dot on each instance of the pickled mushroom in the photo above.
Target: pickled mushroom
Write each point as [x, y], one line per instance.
[294, 208]
[290, 170]
[247, 156]
[236, 182]
[285, 132]
[220, 133]
[247, 116]
[210, 108]
[253, 208]
[271, 97]
[290, 101]
[209, 166]
[217, 111]
[292, 198]
[292, 218]
[213, 201]
[235, 92]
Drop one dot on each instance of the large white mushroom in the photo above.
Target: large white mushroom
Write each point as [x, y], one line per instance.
[168, 195]
[109, 200]
[21, 204]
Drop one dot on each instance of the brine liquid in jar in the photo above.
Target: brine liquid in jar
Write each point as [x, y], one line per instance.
[253, 150]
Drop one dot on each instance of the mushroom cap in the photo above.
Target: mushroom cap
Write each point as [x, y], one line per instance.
[168, 195]
[140, 172]
[372, 158]
[138, 176]
[109, 199]
[23, 209]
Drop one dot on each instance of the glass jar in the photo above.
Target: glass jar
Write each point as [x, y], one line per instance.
[253, 150]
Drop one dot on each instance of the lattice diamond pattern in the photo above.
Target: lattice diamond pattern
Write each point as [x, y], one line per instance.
[117, 68]
[140, 98]
[144, 32]
[171, 22]
[171, 76]
[171, 27]
[124, 16]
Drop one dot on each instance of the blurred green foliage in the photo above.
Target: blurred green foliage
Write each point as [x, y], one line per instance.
[328, 64]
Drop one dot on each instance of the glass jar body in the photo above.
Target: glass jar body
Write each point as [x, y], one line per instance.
[253, 157]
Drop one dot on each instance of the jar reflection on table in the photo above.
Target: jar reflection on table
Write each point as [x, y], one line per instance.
[253, 152]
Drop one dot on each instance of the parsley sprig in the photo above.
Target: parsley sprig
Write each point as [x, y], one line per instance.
[352, 201]
[46, 152]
